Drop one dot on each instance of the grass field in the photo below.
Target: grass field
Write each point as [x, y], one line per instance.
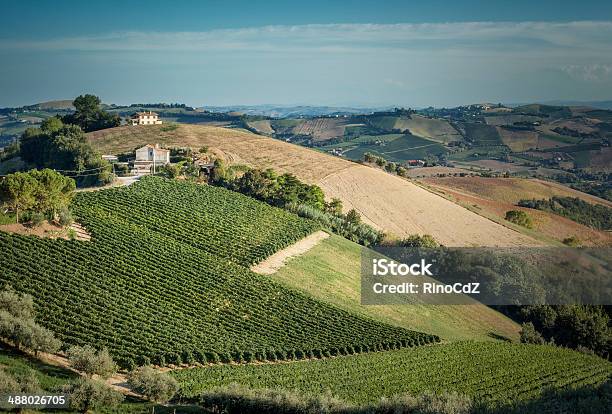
[497, 373]
[482, 134]
[331, 271]
[165, 279]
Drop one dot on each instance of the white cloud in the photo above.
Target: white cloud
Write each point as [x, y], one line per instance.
[592, 73]
[508, 37]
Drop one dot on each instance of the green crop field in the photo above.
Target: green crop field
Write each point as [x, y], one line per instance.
[482, 134]
[496, 373]
[399, 149]
[165, 279]
[331, 271]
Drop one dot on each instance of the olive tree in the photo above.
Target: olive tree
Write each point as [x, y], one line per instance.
[155, 385]
[88, 394]
[87, 360]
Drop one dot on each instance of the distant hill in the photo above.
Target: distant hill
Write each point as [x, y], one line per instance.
[60, 104]
[593, 104]
[280, 111]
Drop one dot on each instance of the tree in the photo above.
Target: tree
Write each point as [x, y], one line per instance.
[90, 116]
[17, 323]
[87, 360]
[529, 335]
[54, 191]
[353, 217]
[417, 240]
[334, 207]
[65, 149]
[519, 217]
[87, 394]
[19, 191]
[155, 385]
[51, 125]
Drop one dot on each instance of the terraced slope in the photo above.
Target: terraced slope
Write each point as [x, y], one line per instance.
[385, 201]
[331, 271]
[164, 280]
[495, 373]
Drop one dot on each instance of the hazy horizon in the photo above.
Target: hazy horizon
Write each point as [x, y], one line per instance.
[346, 54]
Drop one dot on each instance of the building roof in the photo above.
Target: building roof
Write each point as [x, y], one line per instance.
[154, 147]
[139, 114]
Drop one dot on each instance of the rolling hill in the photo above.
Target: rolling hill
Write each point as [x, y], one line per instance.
[492, 373]
[331, 271]
[387, 202]
[165, 279]
[495, 196]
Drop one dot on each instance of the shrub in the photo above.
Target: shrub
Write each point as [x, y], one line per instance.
[87, 360]
[65, 217]
[37, 218]
[17, 323]
[87, 394]
[572, 241]
[416, 240]
[529, 335]
[519, 217]
[156, 386]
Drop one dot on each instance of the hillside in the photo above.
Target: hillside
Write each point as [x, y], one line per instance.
[493, 197]
[385, 201]
[164, 279]
[331, 271]
[495, 373]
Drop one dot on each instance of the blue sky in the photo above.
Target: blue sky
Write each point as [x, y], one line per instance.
[360, 53]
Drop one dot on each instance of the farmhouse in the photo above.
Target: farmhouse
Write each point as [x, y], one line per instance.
[145, 118]
[149, 157]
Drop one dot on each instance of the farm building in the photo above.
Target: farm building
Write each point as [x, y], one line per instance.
[149, 157]
[145, 118]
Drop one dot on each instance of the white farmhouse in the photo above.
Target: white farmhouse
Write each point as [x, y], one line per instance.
[150, 157]
[145, 118]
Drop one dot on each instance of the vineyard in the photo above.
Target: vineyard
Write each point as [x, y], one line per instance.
[164, 280]
[495, 373]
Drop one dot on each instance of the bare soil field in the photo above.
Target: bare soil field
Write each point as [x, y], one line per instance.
[388, 202]
[495, 196]
[548, 224]
[279, 259]
[511, 190]
[262, 126]
[47, 230]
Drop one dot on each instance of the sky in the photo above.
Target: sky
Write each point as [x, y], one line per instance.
[338, 53]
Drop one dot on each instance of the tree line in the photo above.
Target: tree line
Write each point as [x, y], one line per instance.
[288, 192]
[41, 193]
[593, 215]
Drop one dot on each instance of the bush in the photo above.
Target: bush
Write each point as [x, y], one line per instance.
[17, 324]
[85, 359]
[239, 399]
[65, 217]
[416, 240]
[156, 386]
[519, 217]
[87, 394]
[572, 241]
[37, 219]
[529, 335]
